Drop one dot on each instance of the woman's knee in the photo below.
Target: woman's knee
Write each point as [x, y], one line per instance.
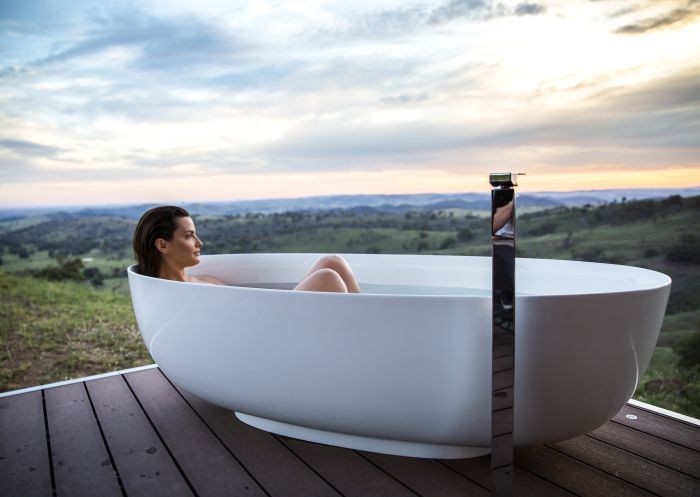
[324, 280]
[331, 278]
[335, 262]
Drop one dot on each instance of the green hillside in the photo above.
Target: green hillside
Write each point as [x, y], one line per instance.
[52, 329]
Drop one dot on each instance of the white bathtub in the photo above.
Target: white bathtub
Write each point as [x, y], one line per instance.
[404, 374]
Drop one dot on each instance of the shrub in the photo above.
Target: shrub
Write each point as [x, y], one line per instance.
[67, 269]
[465, 235]
[94, 275]
[686, 251]
[688, 351]
[543, 229]
[650, 252]
[448, 242]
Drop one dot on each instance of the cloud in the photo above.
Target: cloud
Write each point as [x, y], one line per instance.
[412, 17]
[177, 43]
[661, 115]
[480, 10]
[404, 98]
[27, 148]
[678, 16]
[528, 9]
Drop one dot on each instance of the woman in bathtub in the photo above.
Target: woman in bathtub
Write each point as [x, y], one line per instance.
[166, 242]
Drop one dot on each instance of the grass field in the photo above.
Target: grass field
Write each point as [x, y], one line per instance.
[53, 331]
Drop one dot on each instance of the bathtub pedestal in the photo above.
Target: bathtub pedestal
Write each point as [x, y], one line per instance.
[383, 446]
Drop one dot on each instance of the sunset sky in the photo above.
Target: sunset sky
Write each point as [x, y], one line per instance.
[160, 100]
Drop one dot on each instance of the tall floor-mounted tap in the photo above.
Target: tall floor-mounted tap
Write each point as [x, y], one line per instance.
[503, 330]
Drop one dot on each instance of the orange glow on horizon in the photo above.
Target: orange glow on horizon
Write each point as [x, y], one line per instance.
[204, 188]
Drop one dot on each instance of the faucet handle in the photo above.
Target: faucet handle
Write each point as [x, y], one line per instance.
[507, 180]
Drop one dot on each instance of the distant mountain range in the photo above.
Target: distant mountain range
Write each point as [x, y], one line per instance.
[473, 201]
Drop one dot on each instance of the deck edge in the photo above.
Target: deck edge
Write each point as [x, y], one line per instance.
[665, 412]
[635, 403]
[76, 380]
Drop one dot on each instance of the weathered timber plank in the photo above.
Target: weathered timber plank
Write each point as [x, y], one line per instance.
[81, 462]
[275, 468]
[574, 475]
[208, 465]
[145, 467]
[632, 468]
[525, 484]
[346, 470]
[664, 427]
[651, 447]
[24, 456]
[426, 477]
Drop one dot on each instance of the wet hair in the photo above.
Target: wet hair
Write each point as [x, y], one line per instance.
[159, 222]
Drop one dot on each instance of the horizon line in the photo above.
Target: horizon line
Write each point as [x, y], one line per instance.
[267, 199]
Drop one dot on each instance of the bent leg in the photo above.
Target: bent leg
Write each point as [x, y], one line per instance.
[341, 267]
[323, 280]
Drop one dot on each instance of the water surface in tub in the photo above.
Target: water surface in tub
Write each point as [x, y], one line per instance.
[387, 289]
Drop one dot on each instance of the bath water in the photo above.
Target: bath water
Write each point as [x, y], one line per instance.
[387, 289]
[376, 288]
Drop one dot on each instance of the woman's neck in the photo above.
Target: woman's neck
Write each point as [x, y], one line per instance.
[172, 273]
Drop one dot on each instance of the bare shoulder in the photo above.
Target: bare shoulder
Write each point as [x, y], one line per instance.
[206, 279]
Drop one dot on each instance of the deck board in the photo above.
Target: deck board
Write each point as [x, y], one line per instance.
[427, 477]
[139, 434]
[651, 447]
[348, 472]
[574, 475]
[525, 483]
[669, 429]
[199, 453]
[82, 466]
[142, 461]
[277, 469]
[24, 455]
[629, 467]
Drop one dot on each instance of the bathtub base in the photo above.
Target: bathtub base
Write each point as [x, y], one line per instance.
[383, 446]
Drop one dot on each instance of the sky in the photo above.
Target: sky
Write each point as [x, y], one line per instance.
[117, 102]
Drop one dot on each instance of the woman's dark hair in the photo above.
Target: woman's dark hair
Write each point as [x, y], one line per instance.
[159, 222]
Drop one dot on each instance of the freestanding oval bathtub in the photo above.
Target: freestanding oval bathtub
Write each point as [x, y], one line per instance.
[408, 370]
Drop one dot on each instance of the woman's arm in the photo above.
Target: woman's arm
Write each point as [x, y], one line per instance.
[502, 216]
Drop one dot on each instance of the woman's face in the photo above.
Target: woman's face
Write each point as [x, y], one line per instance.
[184, 247]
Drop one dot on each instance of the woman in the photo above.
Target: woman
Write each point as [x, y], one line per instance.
[166, 242]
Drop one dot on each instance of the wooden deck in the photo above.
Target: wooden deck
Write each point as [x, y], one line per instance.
[136, 434]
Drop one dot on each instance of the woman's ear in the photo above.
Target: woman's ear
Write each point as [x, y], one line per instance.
[161, 245]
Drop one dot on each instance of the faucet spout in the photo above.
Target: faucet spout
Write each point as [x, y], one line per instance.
[503, 330]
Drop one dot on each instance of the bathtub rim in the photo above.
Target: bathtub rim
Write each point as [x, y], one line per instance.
[663, 279]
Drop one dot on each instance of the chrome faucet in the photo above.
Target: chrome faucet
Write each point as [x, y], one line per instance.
[503, 330]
